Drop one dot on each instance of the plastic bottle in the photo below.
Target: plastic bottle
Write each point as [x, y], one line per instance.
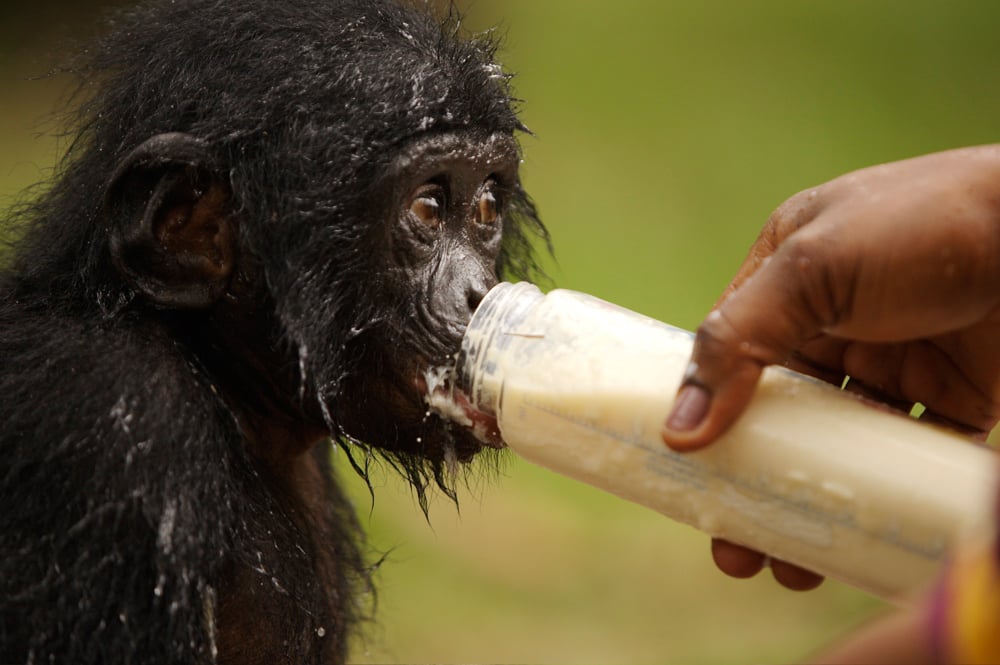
[809, 474]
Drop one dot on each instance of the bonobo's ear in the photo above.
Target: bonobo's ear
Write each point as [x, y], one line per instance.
[171, 233]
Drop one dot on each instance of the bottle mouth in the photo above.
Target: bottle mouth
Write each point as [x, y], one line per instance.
[477, 372]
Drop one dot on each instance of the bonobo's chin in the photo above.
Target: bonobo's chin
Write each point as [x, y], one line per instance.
[452, 443]
[429, 438]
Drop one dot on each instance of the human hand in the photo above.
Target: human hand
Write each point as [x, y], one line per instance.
[890, 275]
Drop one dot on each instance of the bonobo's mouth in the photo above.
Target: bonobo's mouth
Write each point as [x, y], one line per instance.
[452, 405]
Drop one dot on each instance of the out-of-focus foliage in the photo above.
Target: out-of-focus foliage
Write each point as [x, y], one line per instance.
[664, 133]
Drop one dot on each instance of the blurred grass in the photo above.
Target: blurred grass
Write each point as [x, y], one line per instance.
[664, 135]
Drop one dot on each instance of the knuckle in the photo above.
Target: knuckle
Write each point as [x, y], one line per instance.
[714, 353]
[792, 215]
[716, 334]
[803, 248]
[724, 347]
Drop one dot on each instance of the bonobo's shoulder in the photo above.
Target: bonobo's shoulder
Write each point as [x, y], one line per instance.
[44, 344]
[116, 486]
[73, 373]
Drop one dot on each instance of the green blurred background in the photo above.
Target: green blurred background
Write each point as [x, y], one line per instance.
[664, 135]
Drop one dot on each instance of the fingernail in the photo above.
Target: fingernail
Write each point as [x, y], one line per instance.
[690, 408]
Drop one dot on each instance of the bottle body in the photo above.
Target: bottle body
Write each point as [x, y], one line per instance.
[808, 474]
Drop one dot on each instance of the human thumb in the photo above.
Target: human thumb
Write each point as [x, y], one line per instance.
[783, 304]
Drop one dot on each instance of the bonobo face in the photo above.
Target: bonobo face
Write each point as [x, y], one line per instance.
[316, 235]
[445, 197]
[382, 293]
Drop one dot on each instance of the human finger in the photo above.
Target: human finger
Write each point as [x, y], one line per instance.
[735, 560]
[922, 371]
[739, 338]
[742, 562]
[793, 577]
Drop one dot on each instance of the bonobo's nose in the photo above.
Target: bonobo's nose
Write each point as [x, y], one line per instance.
[472, 278]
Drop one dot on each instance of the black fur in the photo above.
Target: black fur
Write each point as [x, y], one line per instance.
[131, 514]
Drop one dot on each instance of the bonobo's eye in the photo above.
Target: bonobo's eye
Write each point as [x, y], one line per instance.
[489, 208]
[427, 205]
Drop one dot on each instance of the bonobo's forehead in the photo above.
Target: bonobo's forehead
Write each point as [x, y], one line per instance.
[427, 155]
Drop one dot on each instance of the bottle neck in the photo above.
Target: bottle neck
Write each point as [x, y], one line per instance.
[479, 372]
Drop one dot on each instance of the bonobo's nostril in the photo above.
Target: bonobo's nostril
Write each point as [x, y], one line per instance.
[478, 288]
[475, 296]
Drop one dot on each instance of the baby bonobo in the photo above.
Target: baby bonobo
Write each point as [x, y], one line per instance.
[275, 218]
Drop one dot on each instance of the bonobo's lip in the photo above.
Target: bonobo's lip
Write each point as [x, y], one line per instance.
[484, 426]
[452, 405]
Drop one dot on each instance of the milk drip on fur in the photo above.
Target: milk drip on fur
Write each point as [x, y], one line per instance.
[809, 474]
